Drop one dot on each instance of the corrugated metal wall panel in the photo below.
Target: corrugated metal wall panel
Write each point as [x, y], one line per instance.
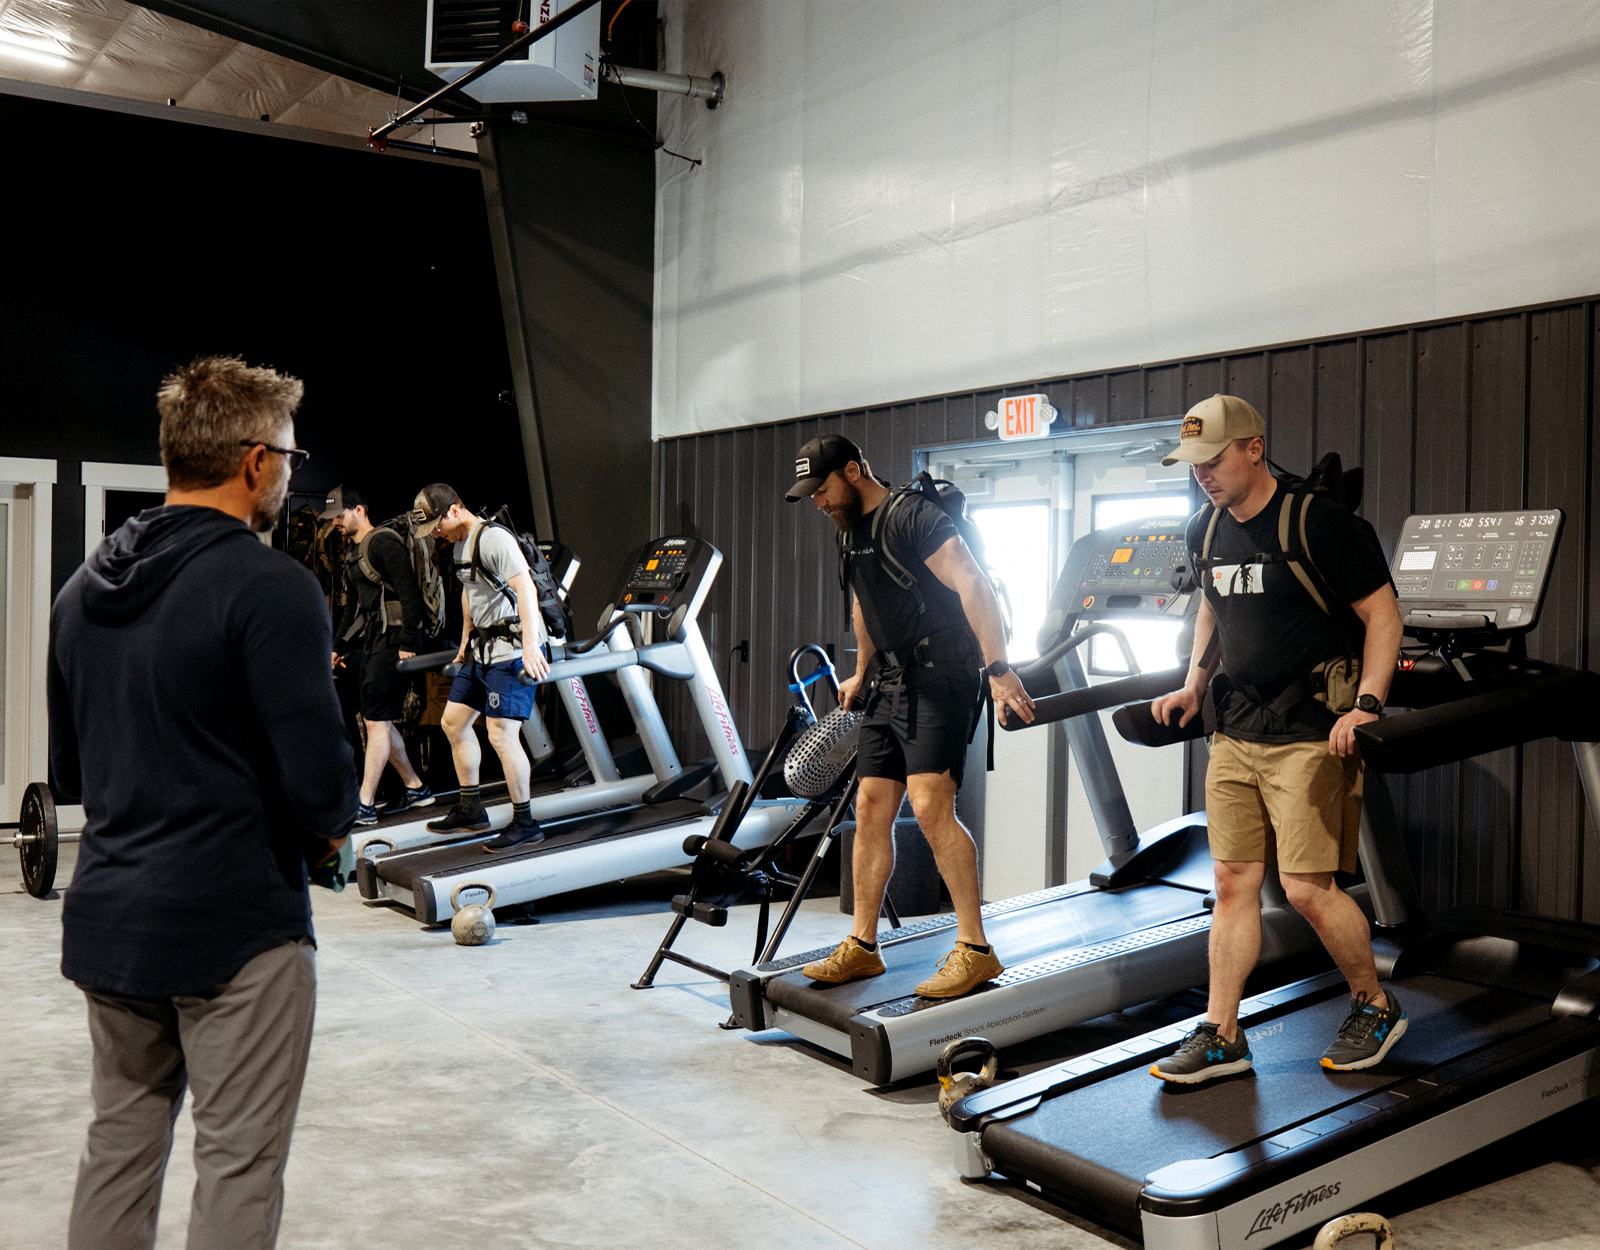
[1487, 412]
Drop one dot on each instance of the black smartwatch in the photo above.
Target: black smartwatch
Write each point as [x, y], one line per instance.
[1369, 703]
[998, 669]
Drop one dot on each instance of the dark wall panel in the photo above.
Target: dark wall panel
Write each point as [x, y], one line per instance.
[1492, 411]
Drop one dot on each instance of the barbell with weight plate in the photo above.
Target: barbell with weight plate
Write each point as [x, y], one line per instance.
[38, 839]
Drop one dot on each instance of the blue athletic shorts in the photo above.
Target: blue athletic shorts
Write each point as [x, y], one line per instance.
[494, 690]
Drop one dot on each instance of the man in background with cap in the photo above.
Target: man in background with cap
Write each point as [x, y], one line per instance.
[935, 642]
[383, 601]
[503, 632]
[1283, 786]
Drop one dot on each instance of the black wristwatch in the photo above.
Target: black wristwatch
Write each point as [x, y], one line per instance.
[1369, 703]
[998, 669]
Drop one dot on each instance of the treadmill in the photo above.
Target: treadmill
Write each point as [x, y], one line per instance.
[1137, 929]
[666, 581]
[1503, 1010]
[557, 787]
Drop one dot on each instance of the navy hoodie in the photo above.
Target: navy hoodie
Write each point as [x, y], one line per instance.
[192, 711]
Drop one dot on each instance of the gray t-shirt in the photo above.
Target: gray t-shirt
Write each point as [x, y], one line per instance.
[502, 560]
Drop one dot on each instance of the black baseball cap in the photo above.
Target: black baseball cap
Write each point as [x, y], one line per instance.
[340, 499]
[817, 459]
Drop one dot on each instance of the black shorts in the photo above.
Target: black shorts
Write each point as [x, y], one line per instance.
[383, 689]
[927, 732]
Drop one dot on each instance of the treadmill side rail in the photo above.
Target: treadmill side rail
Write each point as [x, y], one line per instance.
[1263, 1217]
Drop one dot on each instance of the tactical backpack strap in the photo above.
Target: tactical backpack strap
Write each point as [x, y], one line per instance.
[393, 615]
[1292, 542]
[898, 573]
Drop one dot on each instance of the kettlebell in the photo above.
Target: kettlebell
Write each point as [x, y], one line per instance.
[954, 1086]
[472, 925]
[1363, 1223]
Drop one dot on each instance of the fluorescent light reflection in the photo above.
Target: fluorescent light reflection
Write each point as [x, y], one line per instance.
[28, 54]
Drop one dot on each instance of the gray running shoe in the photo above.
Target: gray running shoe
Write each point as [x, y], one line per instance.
[1366, 1034]
[460, 820]
[1204, 1056]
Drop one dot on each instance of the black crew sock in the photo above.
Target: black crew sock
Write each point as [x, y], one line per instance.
[471, 799]
[982, 950]
[522, 813]
[866, 946]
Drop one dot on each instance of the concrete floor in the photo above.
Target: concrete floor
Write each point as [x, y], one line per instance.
[521, 1095]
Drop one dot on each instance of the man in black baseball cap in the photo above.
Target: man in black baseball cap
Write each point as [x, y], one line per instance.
[926, 617]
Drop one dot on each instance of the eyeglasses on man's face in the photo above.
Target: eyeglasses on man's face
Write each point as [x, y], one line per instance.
[297, 455]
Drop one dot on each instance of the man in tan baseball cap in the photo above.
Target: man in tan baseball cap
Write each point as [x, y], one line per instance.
[1211, 425]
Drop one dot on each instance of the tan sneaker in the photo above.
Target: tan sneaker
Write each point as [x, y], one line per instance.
[850, 961]
[960, 972]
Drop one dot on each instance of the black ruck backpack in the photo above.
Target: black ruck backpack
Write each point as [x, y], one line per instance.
[552, 607]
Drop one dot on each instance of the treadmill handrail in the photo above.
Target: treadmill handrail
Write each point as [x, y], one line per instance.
[1047, 661]
[1555, 702]
[1047, 709]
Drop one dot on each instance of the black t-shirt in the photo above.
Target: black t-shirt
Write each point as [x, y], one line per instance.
[1272, 630]
[916, 529]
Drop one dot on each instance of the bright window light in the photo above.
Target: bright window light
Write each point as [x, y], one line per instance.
[39, 49]
[1154, 643]
[1016, 541]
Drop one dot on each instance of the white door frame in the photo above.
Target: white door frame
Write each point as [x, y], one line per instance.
[99, 476]
[28, 604]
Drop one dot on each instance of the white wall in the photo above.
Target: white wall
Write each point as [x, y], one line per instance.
[903, 197]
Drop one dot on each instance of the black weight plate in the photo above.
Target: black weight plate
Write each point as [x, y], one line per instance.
[39, 858]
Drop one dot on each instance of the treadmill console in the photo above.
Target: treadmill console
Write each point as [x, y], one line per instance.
[1126, 568]
[564, 564]
[665, 575]
[1475, 570]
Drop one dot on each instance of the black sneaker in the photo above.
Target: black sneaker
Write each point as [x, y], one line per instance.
[1366, 1034]
[517, 833]
[420, 797]
[1203, 1056]
[460, 820]
[366, 814]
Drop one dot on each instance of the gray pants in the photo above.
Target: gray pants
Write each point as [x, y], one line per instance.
[243, 1048]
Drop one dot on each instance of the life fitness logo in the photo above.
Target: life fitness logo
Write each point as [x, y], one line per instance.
[1268, 1218]
[581, 694]
[726, 721]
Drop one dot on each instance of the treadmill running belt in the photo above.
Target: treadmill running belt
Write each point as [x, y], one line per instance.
[1017, 937]
[405, 869]
[1102, 1140]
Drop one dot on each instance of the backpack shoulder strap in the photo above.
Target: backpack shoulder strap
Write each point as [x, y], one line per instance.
[1292, 540]
[896, 568]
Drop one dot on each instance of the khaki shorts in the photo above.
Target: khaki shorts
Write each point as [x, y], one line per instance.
[1293, 805]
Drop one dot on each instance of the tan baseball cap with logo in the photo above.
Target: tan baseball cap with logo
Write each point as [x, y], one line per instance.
[1211, 425]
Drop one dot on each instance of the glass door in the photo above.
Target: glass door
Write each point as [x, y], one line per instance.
[1030, 502]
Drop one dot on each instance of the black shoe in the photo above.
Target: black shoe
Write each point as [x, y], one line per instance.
[1203, 1056]
[1366, 1034]
[517, 833]
[366, 814]
[420, 797]
[460, 820]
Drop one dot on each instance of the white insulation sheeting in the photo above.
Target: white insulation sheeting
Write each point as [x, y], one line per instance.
[904, 197]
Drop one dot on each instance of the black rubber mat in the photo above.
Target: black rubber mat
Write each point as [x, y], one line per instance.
[1102, 1140]
[406, 868]
[1017, 937]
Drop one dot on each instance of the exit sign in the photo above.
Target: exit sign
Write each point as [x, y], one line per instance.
[1022, 416]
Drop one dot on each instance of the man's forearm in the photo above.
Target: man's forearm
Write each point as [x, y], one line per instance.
[466, 621]
[1205, 626]
[864, 647]
[1379, 656]
[982, 609]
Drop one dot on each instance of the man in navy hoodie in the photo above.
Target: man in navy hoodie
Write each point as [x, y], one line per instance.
[193, 713]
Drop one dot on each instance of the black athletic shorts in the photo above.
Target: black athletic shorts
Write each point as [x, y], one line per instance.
[383, 690]
[927, 732]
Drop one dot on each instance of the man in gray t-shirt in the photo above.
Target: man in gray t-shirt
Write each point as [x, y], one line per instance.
[502, 637]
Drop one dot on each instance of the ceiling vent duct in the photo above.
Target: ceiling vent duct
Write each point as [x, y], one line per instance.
[462, 34]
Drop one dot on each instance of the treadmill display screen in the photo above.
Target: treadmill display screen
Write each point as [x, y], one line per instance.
[1492, 565]
[662, 568]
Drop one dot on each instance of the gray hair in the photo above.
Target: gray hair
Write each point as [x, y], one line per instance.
[212, 405]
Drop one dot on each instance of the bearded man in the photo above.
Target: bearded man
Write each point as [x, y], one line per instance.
[934, 642]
